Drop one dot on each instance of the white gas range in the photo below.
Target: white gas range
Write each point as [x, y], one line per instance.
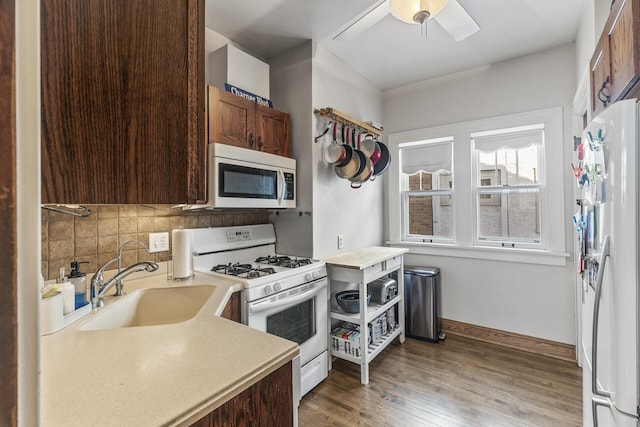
[284, 295]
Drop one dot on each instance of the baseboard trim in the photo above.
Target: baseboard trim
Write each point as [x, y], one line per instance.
[541, 346]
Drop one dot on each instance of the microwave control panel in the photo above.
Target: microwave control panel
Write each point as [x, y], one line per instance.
[289, 186]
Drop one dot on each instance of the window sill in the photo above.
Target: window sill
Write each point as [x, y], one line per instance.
[526, 256]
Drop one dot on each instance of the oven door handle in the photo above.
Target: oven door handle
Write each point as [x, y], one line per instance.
[266, 305]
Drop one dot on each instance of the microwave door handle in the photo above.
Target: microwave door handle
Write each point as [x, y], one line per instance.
[266, 305]
[281, 183]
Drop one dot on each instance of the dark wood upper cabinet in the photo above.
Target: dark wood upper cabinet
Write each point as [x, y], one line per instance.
[123, 101]
[238, 121]
[615, 64]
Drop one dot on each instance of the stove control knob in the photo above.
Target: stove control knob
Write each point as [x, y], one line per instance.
[268, 290]
[277, 286]
[308, 277]
[316, 274]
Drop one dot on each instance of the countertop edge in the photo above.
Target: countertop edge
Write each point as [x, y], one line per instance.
[373, 254]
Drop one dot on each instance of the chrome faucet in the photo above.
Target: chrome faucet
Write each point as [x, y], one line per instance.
[99, 287]
[120, 283]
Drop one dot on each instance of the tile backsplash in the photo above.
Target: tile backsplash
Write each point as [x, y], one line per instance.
[96, 238]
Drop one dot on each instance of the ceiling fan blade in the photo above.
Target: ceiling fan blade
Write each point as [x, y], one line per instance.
[367, 19]
[456, 21]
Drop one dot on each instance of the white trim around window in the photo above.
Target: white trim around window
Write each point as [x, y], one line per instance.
[463, 243]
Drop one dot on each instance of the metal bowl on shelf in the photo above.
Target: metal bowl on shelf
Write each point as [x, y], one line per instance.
[349, 301]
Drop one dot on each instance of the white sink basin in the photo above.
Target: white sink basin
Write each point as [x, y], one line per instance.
[153, 306]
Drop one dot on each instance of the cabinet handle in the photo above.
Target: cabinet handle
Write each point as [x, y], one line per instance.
[260, 142]
[250, 140]
[603, 97]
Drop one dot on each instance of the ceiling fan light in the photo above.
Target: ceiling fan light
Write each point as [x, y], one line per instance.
[406, 10]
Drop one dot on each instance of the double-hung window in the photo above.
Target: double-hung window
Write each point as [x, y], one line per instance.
[490, 188]
[508, 186]
[427, 190]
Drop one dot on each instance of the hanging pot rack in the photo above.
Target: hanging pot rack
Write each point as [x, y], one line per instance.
[340, 117]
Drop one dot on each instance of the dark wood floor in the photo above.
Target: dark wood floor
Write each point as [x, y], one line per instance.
[457, 382]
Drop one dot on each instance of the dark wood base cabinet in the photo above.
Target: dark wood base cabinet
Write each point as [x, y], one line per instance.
[232, 310]
[269, 402]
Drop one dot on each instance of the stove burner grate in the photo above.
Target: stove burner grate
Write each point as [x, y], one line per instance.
[246, 271]
[283, 261]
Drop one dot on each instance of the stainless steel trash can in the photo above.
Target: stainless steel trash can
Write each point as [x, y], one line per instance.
[422, 303]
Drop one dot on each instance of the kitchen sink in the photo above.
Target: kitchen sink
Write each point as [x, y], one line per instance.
[152, 306]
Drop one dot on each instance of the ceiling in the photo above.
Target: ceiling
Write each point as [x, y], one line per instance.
[391, 53]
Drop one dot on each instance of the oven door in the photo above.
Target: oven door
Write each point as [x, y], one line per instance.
[298, 314]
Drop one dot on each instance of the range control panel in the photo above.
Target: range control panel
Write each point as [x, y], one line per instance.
[238, 236]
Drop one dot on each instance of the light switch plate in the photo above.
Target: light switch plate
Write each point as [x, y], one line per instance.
[159, 242]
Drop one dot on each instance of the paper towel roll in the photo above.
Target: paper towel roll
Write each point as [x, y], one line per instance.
[51, 317]
[181, 253]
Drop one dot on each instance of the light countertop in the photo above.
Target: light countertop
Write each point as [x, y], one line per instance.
[362, 258]
[154, 375]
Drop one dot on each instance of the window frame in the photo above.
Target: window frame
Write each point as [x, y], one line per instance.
[405, 195]
[464, 244]
[504, 189]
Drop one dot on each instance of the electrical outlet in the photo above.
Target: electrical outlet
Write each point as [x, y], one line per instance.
[340, 241]
[159, 242]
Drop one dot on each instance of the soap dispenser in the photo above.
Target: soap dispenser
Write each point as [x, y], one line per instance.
[79, 281]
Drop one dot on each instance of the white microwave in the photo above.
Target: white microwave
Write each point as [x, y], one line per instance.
[243, 178]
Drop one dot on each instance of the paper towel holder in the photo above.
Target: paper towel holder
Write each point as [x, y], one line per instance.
[180, 264]
[170, 270]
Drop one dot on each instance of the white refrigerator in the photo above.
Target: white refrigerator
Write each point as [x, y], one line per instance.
[606, 169]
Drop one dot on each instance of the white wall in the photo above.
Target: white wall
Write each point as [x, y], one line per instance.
[337, 208]
[291, 92]
[534, 300]
[304, 79]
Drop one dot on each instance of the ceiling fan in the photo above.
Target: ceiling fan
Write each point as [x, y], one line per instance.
[448, 13]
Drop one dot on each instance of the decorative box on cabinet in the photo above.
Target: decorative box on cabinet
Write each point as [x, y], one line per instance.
[123, 101]
[238, 121]
[615, 64]
[359, 268]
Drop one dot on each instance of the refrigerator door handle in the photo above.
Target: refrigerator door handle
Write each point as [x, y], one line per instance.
[595, 402]
[596, 316]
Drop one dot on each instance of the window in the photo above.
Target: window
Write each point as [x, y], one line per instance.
[427, 190]
[489, 189]
[507, 185]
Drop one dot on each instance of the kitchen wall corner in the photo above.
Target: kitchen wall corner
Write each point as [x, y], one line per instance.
[97, 238]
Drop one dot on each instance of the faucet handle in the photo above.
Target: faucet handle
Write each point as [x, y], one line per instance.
[119, 289]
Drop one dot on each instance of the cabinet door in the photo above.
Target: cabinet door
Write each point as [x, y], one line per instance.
[231, 119]
[232, 310]
[624, 43]
[273, 130]
[123, 104]
[600, 77]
